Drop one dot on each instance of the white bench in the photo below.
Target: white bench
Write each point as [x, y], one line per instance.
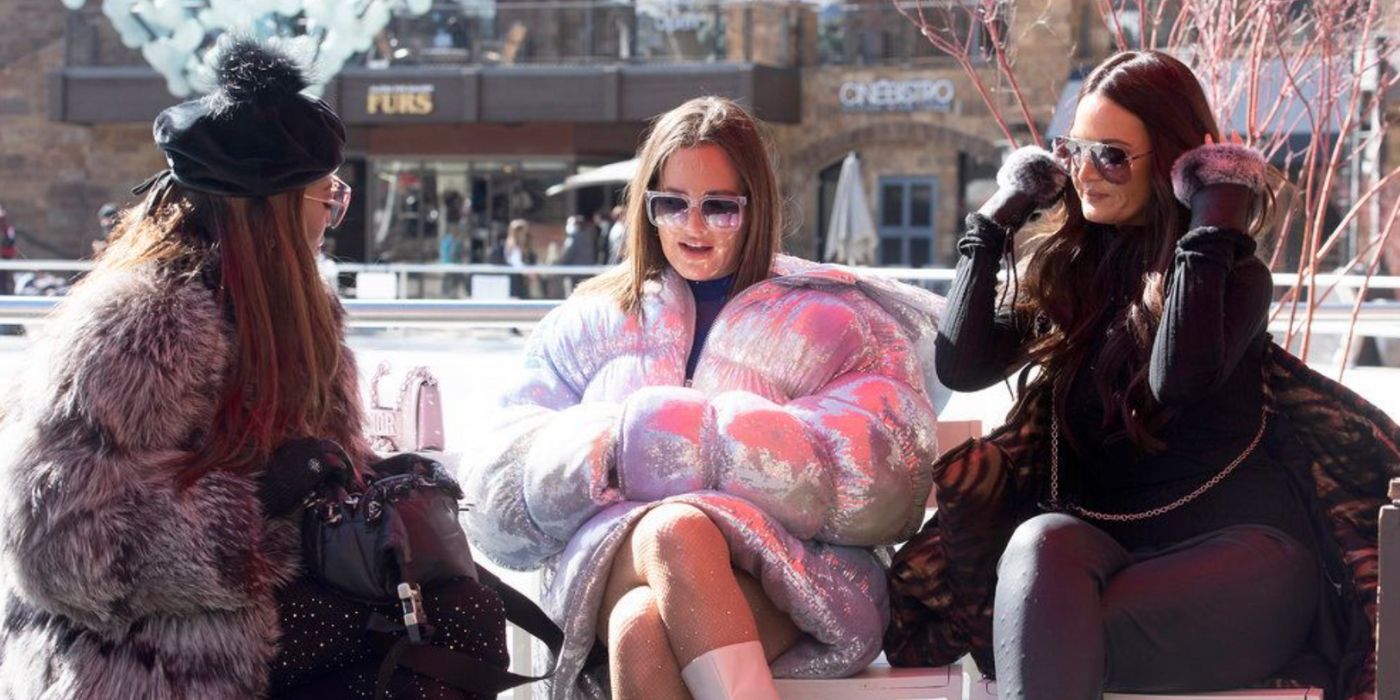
[954, 682]
[982, 689]
[880, 682]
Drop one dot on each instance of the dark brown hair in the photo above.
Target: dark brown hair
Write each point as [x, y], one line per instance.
[1083, 272]
[702, 121]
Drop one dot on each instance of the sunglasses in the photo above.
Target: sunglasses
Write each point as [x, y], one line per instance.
[339, 201]
[1113, 162]
[718, 212]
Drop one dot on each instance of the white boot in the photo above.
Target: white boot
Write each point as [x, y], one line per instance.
[735, 672]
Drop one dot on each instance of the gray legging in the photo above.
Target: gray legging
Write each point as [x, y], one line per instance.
[1077, 614]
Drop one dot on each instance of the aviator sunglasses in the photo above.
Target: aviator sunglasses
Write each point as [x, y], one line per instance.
[339, 201]
[718, 212]
[1113, 162]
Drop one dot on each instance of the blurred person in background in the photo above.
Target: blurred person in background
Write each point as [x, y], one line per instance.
[520, 253]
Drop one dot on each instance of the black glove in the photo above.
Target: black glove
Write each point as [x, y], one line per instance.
[1219, 182]
[1030, 179]
[296, 469]
[401, 463]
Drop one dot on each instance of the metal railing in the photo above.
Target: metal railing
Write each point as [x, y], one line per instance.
[929, 274]
[1377, 319]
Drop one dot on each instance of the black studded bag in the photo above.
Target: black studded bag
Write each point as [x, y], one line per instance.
[389, 542]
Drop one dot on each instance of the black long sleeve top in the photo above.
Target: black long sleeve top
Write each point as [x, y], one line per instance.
[1206, 363]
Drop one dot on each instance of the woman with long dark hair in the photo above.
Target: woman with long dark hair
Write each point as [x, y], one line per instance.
[712, 440]
[181, 403]
[1153, 522]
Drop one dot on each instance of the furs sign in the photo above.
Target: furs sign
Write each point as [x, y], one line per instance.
[897, 95]
[413, 100]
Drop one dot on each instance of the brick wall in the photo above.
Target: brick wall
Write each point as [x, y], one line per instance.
[53, 176]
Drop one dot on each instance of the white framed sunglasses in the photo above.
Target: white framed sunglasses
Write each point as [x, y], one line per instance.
[719, 212]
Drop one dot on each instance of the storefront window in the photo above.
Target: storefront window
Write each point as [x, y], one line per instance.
[414, 204]
[907, 206]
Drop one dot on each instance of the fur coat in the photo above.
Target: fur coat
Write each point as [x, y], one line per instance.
[806, 435]
[115, 582]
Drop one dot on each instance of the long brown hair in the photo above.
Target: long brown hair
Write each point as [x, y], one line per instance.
[702, 121]
[1082, 272]
[281, 382]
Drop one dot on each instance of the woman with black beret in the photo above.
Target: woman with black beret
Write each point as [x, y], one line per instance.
[180, 405]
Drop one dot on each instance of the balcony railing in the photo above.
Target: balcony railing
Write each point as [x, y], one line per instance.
[783, 33]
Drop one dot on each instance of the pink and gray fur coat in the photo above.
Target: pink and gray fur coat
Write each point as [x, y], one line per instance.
[116, 583]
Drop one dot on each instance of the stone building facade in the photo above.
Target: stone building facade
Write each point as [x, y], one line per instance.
[55, 176]
[948, 145]
[551, 94]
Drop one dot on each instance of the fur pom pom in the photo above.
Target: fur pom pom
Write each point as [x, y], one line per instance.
[1033, 171]
[246, 69]
[1217, 163]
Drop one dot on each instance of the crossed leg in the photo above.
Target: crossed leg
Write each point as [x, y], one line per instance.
[673, 596]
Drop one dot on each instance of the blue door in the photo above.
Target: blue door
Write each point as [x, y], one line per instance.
[905, 224]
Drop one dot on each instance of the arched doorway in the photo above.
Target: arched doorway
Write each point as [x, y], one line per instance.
[826, 196]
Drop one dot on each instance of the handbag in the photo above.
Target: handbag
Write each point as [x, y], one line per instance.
[384, 544]
[414, 422]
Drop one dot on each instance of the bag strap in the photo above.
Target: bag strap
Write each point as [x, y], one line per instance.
[464, 671]
[524, 613]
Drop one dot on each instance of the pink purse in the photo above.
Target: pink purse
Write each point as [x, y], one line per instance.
[414, 423]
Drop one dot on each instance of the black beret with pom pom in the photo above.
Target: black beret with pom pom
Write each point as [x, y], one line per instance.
[248, 70]
[256, 134]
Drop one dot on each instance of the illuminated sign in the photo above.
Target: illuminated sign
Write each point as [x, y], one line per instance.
[897, 95]
[407, 100]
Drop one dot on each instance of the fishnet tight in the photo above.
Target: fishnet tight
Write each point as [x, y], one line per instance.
[673, 596]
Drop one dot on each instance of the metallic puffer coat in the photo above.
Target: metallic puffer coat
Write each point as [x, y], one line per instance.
[806, 435]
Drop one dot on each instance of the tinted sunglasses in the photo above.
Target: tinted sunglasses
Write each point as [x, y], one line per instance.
[1113, 162]
[718, 212]
[339, 201]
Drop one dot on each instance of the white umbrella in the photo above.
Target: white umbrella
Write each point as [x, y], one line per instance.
[612, 173]
[850, 238]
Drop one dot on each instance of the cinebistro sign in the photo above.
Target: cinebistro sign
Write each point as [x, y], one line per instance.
[399, 100]
[897, 95]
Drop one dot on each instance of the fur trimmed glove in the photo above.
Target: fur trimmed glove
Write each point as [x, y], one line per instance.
[1219, 182]
[1030, 179]
[296, 469]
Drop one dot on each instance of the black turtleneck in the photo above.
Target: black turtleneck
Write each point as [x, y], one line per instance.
[710, 296]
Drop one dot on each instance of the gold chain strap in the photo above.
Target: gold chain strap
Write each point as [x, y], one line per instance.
[1144, 515]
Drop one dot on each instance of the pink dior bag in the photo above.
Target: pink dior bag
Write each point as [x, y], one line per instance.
[414, 422]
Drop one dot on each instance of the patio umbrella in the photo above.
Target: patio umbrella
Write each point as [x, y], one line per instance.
[612, 173]
[850, 238]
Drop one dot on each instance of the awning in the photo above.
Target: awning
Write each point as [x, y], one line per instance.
[610, 174]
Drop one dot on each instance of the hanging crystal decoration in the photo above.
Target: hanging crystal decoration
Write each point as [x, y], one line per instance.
[175, 36]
